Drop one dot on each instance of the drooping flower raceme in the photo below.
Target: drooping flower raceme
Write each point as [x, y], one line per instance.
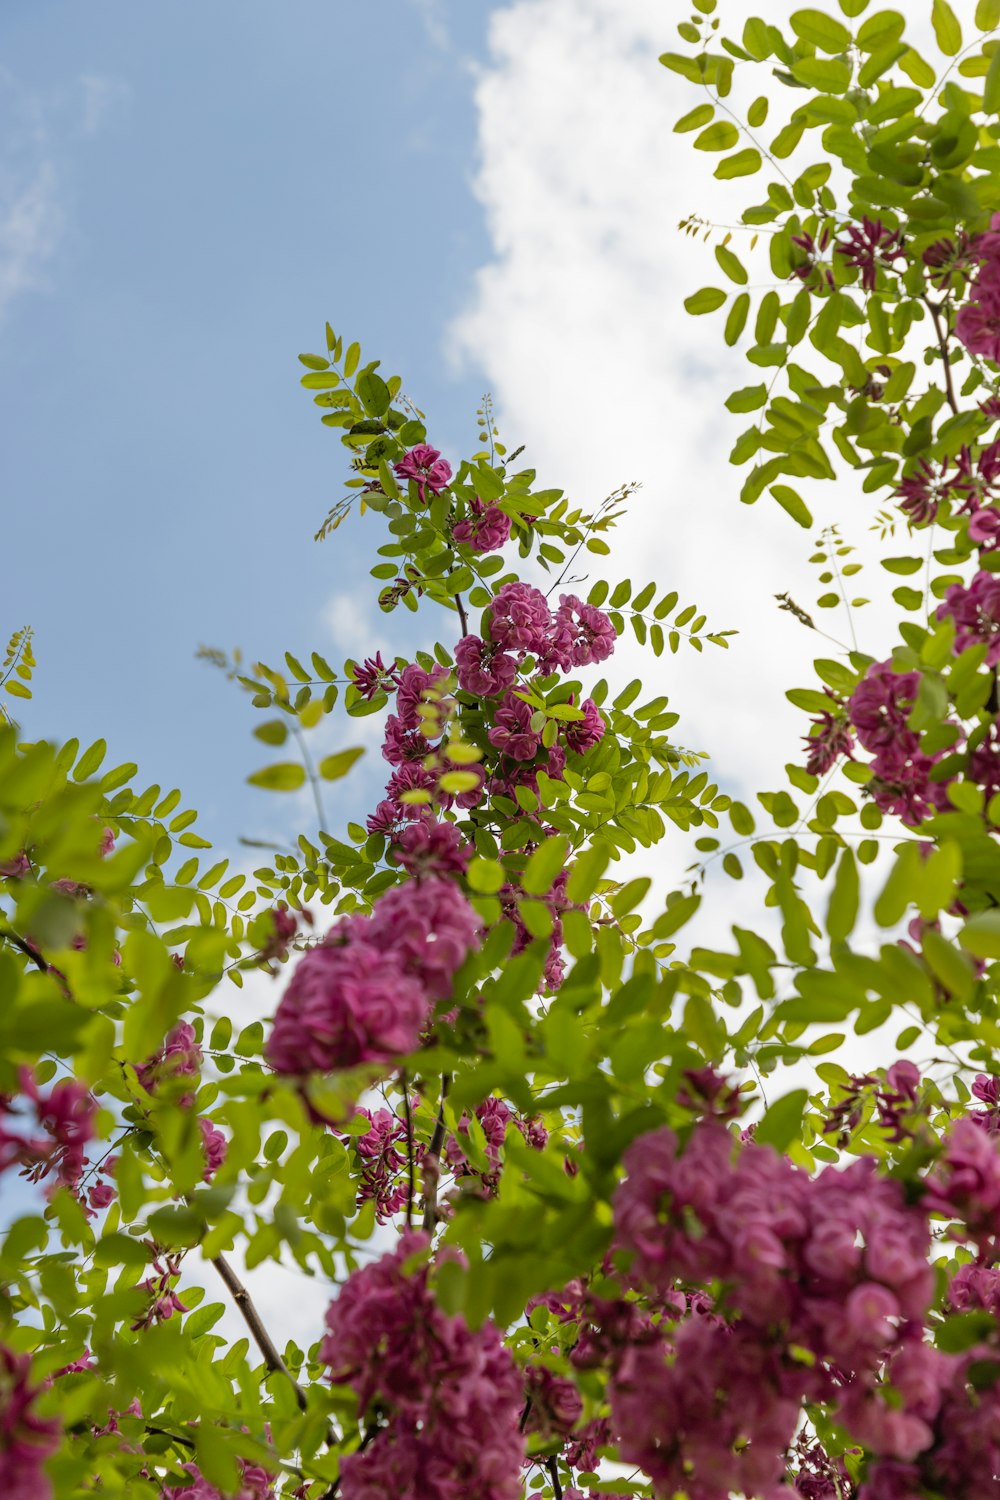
[26, 1439]
[365, 994]
[448, 1398]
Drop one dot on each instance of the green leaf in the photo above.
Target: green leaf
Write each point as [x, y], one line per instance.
[743, 164]
[695, 118]
[285, 776]
[731, 265]
[709, 299]
[750, 398]
[586, 871]
[843, 908]
[947, 31]
[272, 732]
[332, 767]
[991, 88]
[374, 394]
[981, 934]
[820, 30]
[987, 15]
[90, 760]
[486, 876]
[721, 136]
[545, 864]
[793, 503]
[782, 1123]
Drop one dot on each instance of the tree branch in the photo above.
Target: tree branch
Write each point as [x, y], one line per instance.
[461, 614]
[553, 1467]
[942, 342]
[432, 1159]
[252, 1318]
[411, 1190]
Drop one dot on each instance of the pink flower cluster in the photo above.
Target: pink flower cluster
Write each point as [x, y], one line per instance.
[428, 849]
[485, 529]
[163, 1299]
[365, 994]
[26, 1439]
[879, 710]
[978, 322]
[975, 610]
[382, 1153]
[65, 1116]
[574, 635]
[494, 1115]
[835, 1265]
[414, 746]
[180, 1058]
[557, 902]
[868, 246]
[255, 1484]
[425, 467]
[444, 1401]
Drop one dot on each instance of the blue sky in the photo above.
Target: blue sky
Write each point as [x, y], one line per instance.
[187, 192]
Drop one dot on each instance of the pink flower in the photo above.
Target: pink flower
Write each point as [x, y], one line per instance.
[429, 849]
[482, 668]
[26, 1439]
[977, 324]
[555, 1403]
[868, 247]
[404, 745]
[485, 529]
[430, 929]
[349, 1002]
[829, 740]
[214, 1145]
[976, 612]
[582, 734]
[373, 676]
[426, 468]
[16, 868]
[101, 1196]
[420, 701]
[255, 1484]
[179, 1057]
[512, 733]
[519, 618]
[581, 635]
[450, 1398]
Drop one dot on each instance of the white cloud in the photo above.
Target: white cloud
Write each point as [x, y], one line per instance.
[31, 222]
[578, 324]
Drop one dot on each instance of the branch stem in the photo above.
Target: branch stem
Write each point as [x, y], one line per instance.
[432, 1160]
[252, 1318]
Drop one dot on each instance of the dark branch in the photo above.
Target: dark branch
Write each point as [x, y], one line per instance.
[252, 1318]
[941, 333]
[432, 1160]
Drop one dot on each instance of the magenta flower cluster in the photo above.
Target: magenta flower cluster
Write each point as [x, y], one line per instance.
[978, 322]
[485, 528]
[833, 1265]
[879, 711]
[426, 469]
[443, 1401]
[255, 1484]
[26, 1439]
[365, 994]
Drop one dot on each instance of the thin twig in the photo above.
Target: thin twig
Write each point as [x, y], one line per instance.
[311, 773]
[942, 342]
[409, 1149]
[461, 614]
[252, 1318]
[432, 1160]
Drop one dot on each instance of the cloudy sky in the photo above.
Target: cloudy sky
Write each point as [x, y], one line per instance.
[486, 193]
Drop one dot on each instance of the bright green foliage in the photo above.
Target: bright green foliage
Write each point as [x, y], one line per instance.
[857, 376]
